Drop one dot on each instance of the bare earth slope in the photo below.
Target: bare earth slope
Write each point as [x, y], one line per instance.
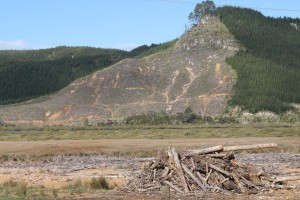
[192, 73]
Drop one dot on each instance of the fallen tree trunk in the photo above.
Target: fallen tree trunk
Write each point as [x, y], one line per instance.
[179, 170]
[286, 178]
[194, 178]
[204, 151]
[248, 147]
[174, 187]
[220, 148]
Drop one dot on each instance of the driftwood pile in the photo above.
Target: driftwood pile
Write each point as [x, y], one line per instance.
[212, 169]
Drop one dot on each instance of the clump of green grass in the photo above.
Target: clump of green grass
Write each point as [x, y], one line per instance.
[99, 183]
[94, 183]
[77, 184]
[18, 188]
[55, 194]
[22, 188]
[9, 184]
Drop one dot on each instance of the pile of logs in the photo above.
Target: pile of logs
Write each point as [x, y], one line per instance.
[211, 169]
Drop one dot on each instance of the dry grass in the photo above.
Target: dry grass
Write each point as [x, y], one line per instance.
[27, 150]
[21, 143]
[145, 132]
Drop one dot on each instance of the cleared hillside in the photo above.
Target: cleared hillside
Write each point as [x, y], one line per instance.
[192, 73]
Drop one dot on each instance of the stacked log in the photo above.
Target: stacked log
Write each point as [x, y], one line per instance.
[211, 169]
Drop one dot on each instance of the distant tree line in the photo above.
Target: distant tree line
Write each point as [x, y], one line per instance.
[186, 117]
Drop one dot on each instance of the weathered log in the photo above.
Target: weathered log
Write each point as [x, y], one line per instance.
[169, 175]
[154, 175]
[173, 186]
[235, 178]
[208, 175]
[249, 183]
[193, 164]
[221, 155]
[286, 178]
[165, 172]
[147, 189]
[219, 170]
[149, 185]
[194, 177]
[224, 180]
[200, 177]
[204, 151]
[248, 147]
[179, 170]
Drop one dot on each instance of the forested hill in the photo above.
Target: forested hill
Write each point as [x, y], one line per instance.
[268, 70]
[32, 73]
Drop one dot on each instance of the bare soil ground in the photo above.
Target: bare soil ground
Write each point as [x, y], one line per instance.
[56, 164]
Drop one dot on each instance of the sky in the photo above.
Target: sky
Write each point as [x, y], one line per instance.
[122, 24]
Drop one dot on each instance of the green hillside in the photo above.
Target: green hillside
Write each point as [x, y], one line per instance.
[146, 50]
[268, 70]
[32, 73]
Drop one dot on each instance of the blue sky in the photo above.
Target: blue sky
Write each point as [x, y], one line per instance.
[124, 24]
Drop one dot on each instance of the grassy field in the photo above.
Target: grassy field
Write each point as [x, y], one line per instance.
[145, 132]
[139, 141]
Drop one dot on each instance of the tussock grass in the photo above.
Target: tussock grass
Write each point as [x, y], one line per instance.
[15, 188]
[77, 184]
[94, 184]
[99, 183]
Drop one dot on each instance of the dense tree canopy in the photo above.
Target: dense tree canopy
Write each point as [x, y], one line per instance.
[28, 74]
[269, 69]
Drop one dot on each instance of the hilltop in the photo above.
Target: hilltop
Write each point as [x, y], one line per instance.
[192, 73]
